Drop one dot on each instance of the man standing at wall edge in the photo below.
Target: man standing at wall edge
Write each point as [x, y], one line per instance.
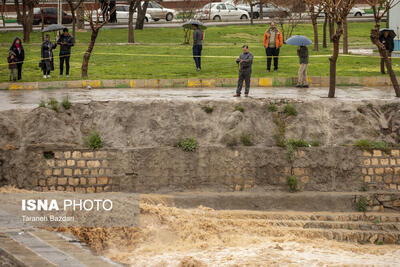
[245, 61]
[273, 40]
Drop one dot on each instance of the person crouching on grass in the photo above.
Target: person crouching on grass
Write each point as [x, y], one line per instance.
[302, 52]
[245, 61]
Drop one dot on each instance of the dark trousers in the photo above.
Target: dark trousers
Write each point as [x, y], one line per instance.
[244, 76]
[46, 66]
[272, 53]
[197, 55]
[62, 59]
[383, 62]
[19, 67]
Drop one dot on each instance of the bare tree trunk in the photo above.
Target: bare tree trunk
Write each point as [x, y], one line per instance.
[3, 9]
[324, 44]
[345, 37]
[26, 17]
[80, 14]
[86, 57]
[333, 60]
[131, 34]
[331, 30]
[251, 14]
[315, 27]
[261, 16]
[141, 15]
[42, 19]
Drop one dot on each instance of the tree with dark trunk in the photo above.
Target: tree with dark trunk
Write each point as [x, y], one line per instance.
[337, 12]
[132, 7]
[324, 36]
[25, 16]
[95, 25]
[380, 9]
[345, 37]
[73, 7]
[141, 14]
[315, 7]
[80, 14]
[3, 9]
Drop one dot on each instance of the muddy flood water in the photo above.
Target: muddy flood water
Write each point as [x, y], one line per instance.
[169, 236]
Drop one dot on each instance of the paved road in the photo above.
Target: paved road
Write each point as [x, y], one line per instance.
[178, 24]
[30, 99]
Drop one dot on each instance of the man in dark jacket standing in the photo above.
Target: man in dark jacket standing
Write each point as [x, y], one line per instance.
[197, 46]
[47, 56]
[386, 39]
[19, 52]
[66, 41]
[245, 61]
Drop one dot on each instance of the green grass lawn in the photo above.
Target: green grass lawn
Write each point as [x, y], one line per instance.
[160, 54]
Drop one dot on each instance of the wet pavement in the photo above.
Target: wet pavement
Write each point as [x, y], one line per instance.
[30, 99]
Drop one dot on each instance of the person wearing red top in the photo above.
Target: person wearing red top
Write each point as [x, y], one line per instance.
[18, 50]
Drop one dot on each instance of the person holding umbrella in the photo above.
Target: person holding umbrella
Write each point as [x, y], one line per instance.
[197, 45]
[302, 52]
[47, 56]
[386, 37]
[198, 37]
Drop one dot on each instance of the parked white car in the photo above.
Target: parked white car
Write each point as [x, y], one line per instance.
[354, 12]
[123, 14]
[221, 12]
[158, 12]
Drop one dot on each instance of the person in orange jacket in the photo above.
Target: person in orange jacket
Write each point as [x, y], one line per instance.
[273, 40]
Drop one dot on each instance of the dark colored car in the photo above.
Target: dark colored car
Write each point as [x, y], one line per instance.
[50, 16]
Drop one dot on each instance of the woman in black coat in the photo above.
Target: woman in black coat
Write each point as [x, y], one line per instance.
[47, 56]
[18, 50]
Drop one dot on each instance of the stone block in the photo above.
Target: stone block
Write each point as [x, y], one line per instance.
[60, 188]
[76, 155]
[370, 171]
[393, 186]
[88, 155]
[384, 162]
[93, 164]
[94, 172]
[48, 172]
[86, 172]
[99, 189]
[58, 155]
[367, 179]
[61, 163]
[378, 178]
[67, 154]
[67, 172]
[101, 172]
[70, 163]
[57, 172]
[92, 181]
[104, 163]
[77, 172]
[101, 154]
[62, 181]
[91, 189]
[395, 153]
[305, 179]
[375, 162]
[81, 163]
[50, 163]
[388, 179]
[299, 171]
[108, 172]
[367, 162]
[82, 181]
[377, 153]
[388, 170]
[379, 171]
[42, 182]
[51, 181]
[367, 154]
[107, 188]
[102, 180]
[80, 190]
[69, 189]
[73, 181]
[392, 162]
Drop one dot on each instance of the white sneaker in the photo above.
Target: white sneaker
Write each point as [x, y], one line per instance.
[44, 76]
[48, 76]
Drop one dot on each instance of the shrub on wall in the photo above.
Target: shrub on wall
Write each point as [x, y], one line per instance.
[189, 144]
[93, 140]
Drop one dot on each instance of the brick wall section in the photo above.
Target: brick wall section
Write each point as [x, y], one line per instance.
[381, 170]
[78, 171]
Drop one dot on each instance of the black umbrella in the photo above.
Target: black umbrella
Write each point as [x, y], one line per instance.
[188, 24]
[53, 28]
[391, 32]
